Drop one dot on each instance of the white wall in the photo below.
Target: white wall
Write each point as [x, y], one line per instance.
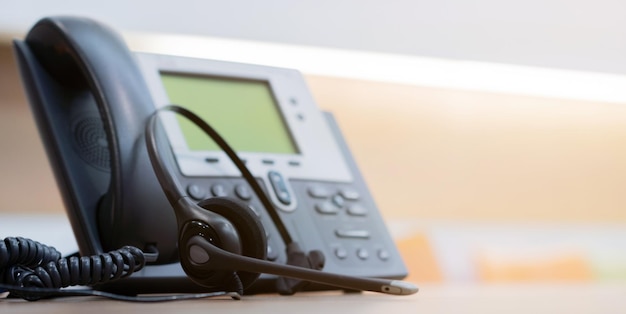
[575, 34]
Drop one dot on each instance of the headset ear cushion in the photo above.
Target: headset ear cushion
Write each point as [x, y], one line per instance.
[249, 228]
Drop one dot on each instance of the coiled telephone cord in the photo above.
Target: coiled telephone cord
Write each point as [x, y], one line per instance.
[31, 271]
[25, 263]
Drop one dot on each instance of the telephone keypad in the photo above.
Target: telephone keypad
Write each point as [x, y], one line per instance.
[345, 217]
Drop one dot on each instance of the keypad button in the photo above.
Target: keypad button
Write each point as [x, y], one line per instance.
[338, 200]
[272, 254]
[317, 191]
[218, 190]
[383, 254]
[196, 192]
[341, 253]
[357, 210]
[350, 194]
[326, 208]
[362, 254]
[243, 192]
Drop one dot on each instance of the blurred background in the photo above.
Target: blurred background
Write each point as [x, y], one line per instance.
[491, 133]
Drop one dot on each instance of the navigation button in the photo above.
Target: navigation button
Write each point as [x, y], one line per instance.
[280, 187]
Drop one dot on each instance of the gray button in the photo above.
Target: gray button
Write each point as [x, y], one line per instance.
[353, 233]
[196, 191]
[362, 254]
[218, 190]
[357, 210]
[338, 200]
[326, 208]
[383, 254]
[243, 192]
[317, 191]
[341, 253]
[272, 254]
[350, 194]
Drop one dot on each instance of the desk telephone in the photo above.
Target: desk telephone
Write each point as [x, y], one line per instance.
[92, 99]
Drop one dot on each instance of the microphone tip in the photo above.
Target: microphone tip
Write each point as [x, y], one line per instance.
[398, 287]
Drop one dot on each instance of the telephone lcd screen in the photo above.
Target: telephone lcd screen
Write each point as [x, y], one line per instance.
[244, 112]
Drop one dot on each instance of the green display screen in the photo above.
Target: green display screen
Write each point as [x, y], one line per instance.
[244, 112]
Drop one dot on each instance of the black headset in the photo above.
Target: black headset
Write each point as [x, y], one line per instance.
[222, 239]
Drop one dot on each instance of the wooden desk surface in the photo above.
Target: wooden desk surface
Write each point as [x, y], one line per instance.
[531, 298]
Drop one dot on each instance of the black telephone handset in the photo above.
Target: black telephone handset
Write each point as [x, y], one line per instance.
[92, 99]
[91, 104]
